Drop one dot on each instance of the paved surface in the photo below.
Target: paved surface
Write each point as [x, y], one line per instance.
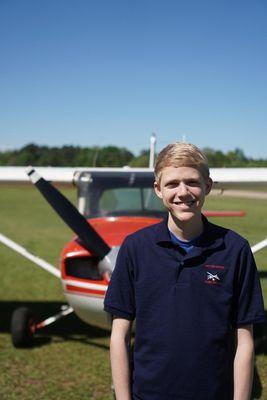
[239, 193]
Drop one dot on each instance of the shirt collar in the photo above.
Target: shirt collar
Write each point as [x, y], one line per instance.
[209, 238]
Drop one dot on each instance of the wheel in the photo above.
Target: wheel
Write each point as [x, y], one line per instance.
[22, 327]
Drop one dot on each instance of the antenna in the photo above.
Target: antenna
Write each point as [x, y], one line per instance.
[152, 150]
[184, 137]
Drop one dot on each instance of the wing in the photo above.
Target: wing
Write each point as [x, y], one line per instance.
[54, 174]
[220, 176]
[224, 177]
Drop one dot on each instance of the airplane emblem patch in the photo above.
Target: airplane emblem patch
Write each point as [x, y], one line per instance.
[212, 279]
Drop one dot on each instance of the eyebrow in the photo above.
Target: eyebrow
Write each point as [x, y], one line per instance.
[186, 180]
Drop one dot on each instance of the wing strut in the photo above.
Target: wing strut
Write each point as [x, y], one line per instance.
[25, 253]
[259, 246]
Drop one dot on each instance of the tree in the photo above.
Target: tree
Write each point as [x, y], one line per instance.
[142, 160]
[111, 156]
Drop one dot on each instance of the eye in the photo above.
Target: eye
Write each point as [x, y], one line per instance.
[171, 185]
[193, 183]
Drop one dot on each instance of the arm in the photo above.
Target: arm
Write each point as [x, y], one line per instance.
[243, 363]
[119, 357]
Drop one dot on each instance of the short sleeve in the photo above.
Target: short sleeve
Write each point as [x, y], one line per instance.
[120, 297]
[248, 304]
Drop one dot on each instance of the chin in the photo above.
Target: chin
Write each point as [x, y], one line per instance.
[184, 216]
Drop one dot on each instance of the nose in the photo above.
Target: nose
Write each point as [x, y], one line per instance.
[182, 189]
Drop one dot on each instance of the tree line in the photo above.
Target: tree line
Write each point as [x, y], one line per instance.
[110, 156]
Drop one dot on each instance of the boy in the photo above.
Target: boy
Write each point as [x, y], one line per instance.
[192, 289]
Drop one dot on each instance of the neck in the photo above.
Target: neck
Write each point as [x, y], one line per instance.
[186, 230]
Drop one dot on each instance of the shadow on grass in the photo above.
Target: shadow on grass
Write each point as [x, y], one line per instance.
[262, 274]
[68, 328]
[71, 328]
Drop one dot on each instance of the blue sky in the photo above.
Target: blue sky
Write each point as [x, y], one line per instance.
[113, 71]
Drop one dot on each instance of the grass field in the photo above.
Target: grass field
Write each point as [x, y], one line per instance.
[71, 359]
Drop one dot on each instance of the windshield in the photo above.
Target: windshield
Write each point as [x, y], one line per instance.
[122, 194]
[130, 201]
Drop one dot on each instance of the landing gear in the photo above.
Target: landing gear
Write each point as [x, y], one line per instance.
[24, 325]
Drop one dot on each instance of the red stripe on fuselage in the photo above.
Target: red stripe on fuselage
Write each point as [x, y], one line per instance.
[91, 292]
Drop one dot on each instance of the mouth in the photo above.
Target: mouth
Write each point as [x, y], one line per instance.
[184, 203]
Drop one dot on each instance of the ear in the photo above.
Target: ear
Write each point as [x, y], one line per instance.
[157, 189]
[209, 184]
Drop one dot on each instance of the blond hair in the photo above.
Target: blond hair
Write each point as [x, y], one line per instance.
[181, 154]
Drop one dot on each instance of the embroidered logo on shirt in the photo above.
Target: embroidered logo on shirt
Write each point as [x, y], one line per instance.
[212, 279]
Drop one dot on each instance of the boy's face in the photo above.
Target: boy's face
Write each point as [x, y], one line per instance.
[183, 191]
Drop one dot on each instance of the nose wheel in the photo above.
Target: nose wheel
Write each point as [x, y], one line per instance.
[24, 325]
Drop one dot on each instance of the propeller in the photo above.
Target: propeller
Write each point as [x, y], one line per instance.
[90, 239]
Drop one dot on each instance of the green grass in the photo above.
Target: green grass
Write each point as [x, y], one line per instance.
[71, 359]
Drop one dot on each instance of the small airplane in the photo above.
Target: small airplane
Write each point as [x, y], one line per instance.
[112, 203]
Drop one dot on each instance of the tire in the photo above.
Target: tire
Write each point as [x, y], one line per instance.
[22, 327]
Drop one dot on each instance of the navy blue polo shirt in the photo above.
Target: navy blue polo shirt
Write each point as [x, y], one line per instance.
[186, 308]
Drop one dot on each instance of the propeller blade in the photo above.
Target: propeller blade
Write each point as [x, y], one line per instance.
[91, 240]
